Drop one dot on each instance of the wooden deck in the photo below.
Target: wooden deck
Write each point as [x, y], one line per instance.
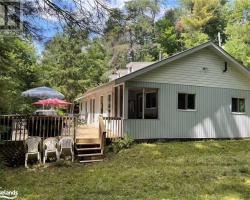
[19, 128]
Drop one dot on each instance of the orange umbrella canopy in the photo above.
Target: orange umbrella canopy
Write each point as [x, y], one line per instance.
[52, 101]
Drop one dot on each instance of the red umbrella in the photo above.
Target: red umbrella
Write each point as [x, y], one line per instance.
[52, 101]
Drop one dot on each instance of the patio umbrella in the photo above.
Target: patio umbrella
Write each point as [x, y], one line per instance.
[42, 92]
[52, 101]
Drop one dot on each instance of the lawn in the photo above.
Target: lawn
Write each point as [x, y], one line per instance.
[215, 169]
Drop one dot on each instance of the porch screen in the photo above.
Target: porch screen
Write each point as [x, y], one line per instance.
[143, 103]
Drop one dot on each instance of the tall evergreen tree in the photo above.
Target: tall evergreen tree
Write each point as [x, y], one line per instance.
[72, 64]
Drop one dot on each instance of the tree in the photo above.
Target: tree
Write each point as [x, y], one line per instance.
[166, 33]
[197, 14]
[141, 15]
[131, 35]
[115, 39]
[72, 64]
[237, 30]
[20, 73]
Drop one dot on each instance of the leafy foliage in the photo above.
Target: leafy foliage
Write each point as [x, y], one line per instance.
[238, 28]
[122, 143]
[73, 64]
[19, 72]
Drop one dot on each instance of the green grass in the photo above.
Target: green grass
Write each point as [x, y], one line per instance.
[174, 170]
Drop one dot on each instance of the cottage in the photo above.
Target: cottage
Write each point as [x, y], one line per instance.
[202, 92]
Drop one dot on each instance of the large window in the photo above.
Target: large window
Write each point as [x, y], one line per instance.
[186, 101]
[238, 105]
[143, 103]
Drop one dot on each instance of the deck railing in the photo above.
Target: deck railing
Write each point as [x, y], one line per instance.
[20, 127]
[114, 127]
[102, 134]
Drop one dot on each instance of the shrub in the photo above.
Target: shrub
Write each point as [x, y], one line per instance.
[122, 143]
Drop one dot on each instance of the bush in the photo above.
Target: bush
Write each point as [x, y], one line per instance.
[122, 143]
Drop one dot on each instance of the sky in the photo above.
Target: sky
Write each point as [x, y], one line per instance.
[52, 26]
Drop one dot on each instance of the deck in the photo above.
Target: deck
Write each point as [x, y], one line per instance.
[83, 132]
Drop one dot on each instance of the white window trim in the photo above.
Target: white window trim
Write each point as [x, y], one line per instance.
[238, 113]
[187, 110]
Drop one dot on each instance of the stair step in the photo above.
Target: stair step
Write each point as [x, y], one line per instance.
[88, 161]
[87, 149]
[88, 155]
[87, 144]
[88, 141]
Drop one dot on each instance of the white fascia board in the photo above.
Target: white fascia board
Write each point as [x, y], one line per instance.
[96, 89]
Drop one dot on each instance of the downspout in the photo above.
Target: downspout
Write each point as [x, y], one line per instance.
[225, 67]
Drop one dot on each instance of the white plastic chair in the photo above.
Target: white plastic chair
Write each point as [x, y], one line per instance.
[32, 147]
[66, 145]
[50, 146]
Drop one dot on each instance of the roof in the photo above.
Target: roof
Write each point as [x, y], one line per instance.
[212, 46]
[96, 89]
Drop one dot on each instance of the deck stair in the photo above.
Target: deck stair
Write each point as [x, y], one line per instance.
[92, 149]
[89, 151]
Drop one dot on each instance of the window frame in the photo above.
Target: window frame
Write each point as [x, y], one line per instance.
[238, 105]
[137, 109]
[186, 101]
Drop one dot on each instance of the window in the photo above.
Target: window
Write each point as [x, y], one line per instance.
[109, 105]
[101, 104]
[143, 103]
[151, 100]
[186, 101]
[238, 105]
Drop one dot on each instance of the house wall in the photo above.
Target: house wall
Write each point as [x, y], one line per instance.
[212, 117]
[96, 96]
[189, 71]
